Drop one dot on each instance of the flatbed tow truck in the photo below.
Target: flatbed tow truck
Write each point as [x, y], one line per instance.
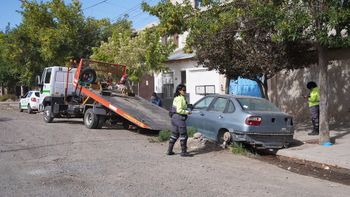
[70, 92]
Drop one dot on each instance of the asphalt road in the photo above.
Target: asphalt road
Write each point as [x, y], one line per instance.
[66, 159]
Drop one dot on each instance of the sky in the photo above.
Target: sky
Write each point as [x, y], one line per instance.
[112, 9]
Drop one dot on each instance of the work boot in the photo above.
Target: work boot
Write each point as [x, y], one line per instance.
[170, 149]
[184, 152]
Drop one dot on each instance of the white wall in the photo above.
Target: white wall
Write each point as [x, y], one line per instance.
[201, 76]
[195, 76]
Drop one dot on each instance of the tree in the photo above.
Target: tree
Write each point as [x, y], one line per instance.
[325, 24]
[142, 52]
[233, 38]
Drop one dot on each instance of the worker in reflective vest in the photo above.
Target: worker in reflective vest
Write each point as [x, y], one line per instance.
[314, 106]
[178, 121]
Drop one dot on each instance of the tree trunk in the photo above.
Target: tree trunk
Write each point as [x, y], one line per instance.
[263, 87]
[323, 84]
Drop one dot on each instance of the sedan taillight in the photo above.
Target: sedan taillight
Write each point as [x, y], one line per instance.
[33, 99]
[253, 120]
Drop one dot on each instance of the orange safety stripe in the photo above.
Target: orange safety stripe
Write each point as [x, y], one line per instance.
[113, 108]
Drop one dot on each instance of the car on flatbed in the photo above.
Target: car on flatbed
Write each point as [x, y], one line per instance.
[243, 119]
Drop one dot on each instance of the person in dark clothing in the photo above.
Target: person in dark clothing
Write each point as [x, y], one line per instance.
[156, 100]
[314, 106]
[178, 121]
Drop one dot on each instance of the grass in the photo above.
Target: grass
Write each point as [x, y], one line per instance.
[238, 149]
[191, 131]
[7, 96]
[164, 135]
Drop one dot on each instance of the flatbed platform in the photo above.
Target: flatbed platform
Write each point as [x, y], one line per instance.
[155, 117]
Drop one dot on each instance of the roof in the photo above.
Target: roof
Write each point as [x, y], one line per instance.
[180, 55]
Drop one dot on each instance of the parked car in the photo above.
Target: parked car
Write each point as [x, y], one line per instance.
[30, 101]
[245, 119]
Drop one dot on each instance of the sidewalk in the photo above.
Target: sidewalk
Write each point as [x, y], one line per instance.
[307, 147]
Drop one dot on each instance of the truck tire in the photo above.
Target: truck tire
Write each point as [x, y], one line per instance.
[47, 114]
[88, 75]
[91, 120]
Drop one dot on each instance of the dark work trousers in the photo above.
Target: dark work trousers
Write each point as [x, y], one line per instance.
[315, 117]
[179, 130]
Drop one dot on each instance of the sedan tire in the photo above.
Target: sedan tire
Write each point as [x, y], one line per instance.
[20, 109]
[29, 110]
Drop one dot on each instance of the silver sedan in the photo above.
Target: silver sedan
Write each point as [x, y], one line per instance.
[251, 120]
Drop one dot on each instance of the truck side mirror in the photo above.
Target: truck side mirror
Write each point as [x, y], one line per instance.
[38, 81]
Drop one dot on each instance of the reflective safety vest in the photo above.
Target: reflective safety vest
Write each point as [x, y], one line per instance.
[314, 98]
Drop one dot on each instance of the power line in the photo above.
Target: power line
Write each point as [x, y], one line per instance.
[133, 9]
[96, 4]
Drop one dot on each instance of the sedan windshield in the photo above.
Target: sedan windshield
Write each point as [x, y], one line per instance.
[253, 104]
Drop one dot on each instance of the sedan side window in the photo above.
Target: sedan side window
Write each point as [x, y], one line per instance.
[37, 94]
[204, 103]
[219, 105]
[230, 107]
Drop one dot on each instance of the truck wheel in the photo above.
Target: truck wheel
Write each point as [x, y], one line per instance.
[91, 120]
[88, 75]
[20, 109]
[48, 114]
[29, 110]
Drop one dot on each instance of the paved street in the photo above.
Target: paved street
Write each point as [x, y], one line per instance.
[66, 159]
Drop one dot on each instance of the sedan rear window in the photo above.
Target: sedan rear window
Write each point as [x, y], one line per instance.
[252, 104]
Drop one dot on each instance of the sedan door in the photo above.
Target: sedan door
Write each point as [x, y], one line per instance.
[196, 118]
[24, 101]
[214, 118]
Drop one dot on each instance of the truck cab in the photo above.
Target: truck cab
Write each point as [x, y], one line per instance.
[53, 83]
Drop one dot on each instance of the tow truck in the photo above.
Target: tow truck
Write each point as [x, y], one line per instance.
[78, 92]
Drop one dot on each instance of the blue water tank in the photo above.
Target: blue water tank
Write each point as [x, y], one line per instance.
[244, 87]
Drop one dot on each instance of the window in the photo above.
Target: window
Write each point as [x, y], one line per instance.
[183, 77]
[252, 104]
[197, 3]
[29, 94]
[205, 89]
[204, 103]
[37, 94]
[230, 107]
[219, 105]
[48, 76]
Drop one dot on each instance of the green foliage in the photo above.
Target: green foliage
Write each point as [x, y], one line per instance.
[191, 131]
[323, 22]
[238, 149]
[51, 33]
[142, 53]
[164, 135]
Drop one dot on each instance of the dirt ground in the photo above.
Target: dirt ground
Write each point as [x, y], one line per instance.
[66, 159]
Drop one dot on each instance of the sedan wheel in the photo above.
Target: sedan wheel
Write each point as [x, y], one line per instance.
[29, 110]
[20, 109]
